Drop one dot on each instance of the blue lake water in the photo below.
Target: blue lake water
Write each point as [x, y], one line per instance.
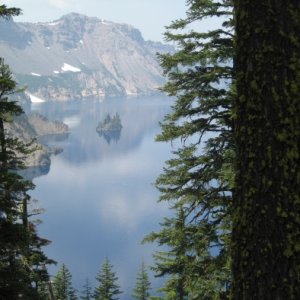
[99, 196]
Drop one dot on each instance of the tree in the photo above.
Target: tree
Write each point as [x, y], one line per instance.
[87, 292]
[266, 211]
[174, 234]
[62, 284]
[141, 290]
[197, 181]
[22, 261]
[108, 288]
[7, 13]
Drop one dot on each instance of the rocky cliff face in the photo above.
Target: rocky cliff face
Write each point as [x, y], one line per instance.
[77, 56]
[34, 126]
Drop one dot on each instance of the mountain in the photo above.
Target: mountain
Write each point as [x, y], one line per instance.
[78, 56]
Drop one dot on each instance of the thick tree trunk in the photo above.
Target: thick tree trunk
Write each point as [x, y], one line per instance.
[266, 216]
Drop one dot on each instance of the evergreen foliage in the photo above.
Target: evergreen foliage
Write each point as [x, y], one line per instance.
[22, 261]
[87, 292]
[198, 180]
[142, 288]
[23, 272]
[8, 12]
[108, 289]
[62, 285]
[266, 211]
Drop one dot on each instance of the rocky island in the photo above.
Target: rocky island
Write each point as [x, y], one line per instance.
[110, 128]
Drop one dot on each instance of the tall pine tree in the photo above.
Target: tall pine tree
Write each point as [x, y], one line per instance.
[197, 181]
[266, 215]
[62, 284]
[22, 261]
[108, 288]
[143, 285]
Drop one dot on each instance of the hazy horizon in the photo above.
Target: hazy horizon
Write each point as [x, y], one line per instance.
[150, 17]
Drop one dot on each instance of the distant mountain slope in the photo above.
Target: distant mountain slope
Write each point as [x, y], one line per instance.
[77, 56]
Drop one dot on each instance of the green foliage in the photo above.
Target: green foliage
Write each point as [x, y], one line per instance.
[108, 288]
[7, 13]
[141, 290]
[22, 261]
[62, 285]
[198, 181]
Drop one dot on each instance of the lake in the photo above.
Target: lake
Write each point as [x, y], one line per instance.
[99, 196]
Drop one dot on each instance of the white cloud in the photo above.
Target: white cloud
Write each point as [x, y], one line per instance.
[128, 211]
[62, 4]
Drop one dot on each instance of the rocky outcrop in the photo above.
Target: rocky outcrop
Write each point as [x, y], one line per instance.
[110, 128]
[42, 126]
[28, 129]
[77, 56]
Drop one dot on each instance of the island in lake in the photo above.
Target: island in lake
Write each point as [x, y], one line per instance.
[110, 128]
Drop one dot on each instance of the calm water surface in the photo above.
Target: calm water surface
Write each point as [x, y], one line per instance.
[98, 194]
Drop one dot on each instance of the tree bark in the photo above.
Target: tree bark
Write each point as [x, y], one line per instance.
[266, 212]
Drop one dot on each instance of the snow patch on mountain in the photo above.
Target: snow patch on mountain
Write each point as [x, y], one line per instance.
[66, 67]
[35, 99]
[53, 23]
[35, 74]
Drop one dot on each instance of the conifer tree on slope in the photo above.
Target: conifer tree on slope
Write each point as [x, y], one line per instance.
[87, 293]
[62, 284]
[197, 181]
[108, 289]
[8, 12]
[266, 215]
[22, 261]
[143, 285]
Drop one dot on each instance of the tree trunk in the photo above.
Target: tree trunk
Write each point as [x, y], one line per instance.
[266, 213]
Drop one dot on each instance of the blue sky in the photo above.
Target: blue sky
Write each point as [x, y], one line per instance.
[150, 16]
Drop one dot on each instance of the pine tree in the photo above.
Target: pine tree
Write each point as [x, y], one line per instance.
[142, 288]
[197, 181]
[22, 261]
[174, 234]
[108, 288]
[7, 13]
[62, 284]
[266, 211]
[87, 292]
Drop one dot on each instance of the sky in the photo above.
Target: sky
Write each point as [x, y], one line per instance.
[149, 16]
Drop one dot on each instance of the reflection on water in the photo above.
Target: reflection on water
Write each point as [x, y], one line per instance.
[34, 172]
[99, 197]
[52, 138]
[113, 135]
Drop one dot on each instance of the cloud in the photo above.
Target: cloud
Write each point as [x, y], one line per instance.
[61, 4]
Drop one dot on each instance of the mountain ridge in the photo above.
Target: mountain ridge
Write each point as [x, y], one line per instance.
[78, 56]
